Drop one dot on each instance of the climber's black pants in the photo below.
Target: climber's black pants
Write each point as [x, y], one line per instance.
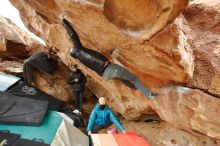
[96, 127]
[78, 95]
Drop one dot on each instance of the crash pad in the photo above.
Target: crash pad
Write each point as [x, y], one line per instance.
[26, 90]
[7, 80]
[130, 139]
[127, 139]
[103, 140]
[69, 135]
[46, 131]
[21, 111]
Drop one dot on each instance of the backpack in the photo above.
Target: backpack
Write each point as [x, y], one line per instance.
[76, 117]
[40, 61]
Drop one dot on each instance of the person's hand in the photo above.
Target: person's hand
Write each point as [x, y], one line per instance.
[123, 131]
[89, 133]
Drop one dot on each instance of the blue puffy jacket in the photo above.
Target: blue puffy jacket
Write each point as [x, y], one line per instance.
[100, 117]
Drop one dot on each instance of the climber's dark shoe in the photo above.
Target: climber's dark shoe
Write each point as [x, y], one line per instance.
[152, 95]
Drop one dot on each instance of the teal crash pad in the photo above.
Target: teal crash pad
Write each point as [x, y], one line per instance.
[46, 131]
[6, 81]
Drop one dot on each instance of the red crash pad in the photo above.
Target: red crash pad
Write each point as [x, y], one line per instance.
[127, 139]
[130, 139]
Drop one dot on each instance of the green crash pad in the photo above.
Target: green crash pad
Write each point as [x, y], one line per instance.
[46, 131]
[6, 81]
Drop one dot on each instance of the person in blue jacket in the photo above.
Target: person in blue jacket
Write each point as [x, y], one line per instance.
[102, 117]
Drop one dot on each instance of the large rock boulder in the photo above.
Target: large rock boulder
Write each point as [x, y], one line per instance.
[144, 37]
[155, 62]
[203, 32]
[17, 45]
[163, 134]
[197, 109]
[189, 109]
[15, 42]
[11, 67]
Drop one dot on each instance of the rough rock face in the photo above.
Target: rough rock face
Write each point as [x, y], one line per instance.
[143, 36]
[56, 84]
[14, 42]
[174, 60]
[163, 134]
[89, 19]
[13, 67]
[203, 31]
[189, 109]
[17, 45]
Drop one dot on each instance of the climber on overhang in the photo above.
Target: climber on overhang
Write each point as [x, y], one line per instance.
[101, 65]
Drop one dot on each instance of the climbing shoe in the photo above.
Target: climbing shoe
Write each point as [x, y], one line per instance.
[152, 95]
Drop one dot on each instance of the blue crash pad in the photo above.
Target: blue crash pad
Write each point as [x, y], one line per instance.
[6, 81]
